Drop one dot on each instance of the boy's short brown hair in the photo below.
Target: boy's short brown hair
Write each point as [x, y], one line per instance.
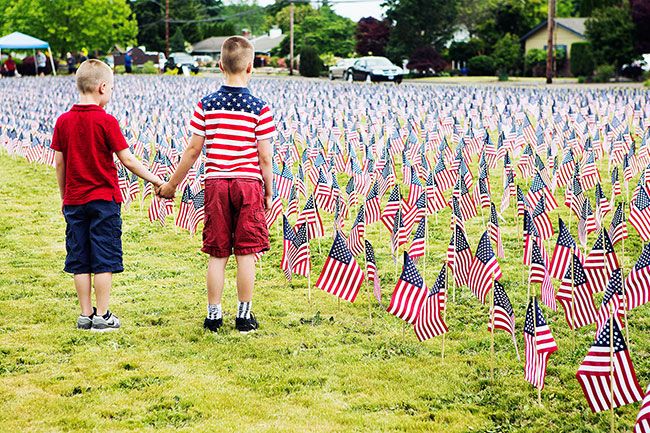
[236, 53]
[90, 74]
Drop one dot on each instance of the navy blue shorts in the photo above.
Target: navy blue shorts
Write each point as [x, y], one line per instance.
[93, 238]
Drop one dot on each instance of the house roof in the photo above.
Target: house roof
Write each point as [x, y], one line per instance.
[209, 45]
[266, 43]
[573, 25]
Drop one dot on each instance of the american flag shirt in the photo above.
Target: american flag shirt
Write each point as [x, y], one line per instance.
[232, 121]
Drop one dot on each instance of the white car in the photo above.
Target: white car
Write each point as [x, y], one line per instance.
[338, 70]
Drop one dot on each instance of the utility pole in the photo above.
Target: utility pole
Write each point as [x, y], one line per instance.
[550, 27]
[290, 38]
[167, 29]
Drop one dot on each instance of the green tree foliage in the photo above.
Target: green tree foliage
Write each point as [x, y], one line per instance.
[177, 41]
[324, 30]
[587, 7]
[535, 62]
[311, 64]
[507, 54]
[282, 17]
[610, 31]
[463, 51]
[418, 23]
[582, 59]
[516, 17]
[481, 65]
[69, 25]
[372, 36]
[243, 14]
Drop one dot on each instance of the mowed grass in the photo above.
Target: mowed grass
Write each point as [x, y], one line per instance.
[324, 367]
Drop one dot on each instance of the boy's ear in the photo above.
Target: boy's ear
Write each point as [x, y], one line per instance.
[102, 87]
[221, 66]
[249, 68]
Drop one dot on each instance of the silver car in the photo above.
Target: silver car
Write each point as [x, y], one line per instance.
[338, 70]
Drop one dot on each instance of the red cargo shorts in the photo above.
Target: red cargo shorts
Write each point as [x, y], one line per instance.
[234, 218]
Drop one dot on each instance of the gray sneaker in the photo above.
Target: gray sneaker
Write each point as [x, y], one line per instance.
[86, 322]
[101, 324]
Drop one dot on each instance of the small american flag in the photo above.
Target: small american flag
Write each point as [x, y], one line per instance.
[640, 213]
[355, 241]
[341, 275]
[539, 344]
[637, 286]
[539, 274]
[502, 314]
[409, 294]
[299, 256]
[600, 262]
[311, 217]
[613, 299]
[391, 208]
[618, 227]
[429, 322]
[459, 256]
[373, 211]
[495, 231]
[371, 270]
[485, 268]
[575, 298]
[289, 237]
[417, 246]
[435, 200]
[562, 252]
[595, 373]
[541, 220]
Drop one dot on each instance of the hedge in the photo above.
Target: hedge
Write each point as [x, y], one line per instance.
[582, 59]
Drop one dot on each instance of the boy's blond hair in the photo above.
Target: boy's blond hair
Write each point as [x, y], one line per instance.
[236, 54]
[91, 74]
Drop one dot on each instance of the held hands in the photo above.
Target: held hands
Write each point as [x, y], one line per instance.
[165, 190]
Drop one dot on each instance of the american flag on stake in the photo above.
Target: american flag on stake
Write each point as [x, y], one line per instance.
[640, 213]
[371, 270]
[618, 227]
[502, 314]
[575, 296]
[355, 241]
[600, 262]
[430, 321]
[637, 283]
[299, 256]
[539, 274]
[643, 419]
[612, 301]
[417, 246]
[373, 212]
[560, 260]
[288, 240]
[495, 231]
[459, 256]
[485, 268]
[409, 294]
[607, 371]
[341, 275]
[539, 344]
[541, 220]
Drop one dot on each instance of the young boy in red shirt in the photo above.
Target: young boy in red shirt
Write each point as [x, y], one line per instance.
[85, 139]
[236, 128]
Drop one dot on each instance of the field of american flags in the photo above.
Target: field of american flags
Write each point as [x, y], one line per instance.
[324, 366]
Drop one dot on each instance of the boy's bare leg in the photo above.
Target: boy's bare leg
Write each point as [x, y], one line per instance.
[82, 284]
[245, 277]
[103, 283]
[216, 278]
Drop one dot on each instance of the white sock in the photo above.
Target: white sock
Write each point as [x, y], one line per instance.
[244, 309]
[214, 311]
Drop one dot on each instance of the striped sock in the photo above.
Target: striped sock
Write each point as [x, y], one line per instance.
[244, 309]
[214, 311]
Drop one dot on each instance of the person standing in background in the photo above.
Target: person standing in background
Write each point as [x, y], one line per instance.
[9, 67]
[71, 62]
[41, 62]
[128, 62]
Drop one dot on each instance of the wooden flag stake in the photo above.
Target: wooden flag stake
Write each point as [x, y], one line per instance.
[611, 369]
[309, 287]
[492, 331]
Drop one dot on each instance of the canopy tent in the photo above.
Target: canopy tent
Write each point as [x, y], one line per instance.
[21, 41]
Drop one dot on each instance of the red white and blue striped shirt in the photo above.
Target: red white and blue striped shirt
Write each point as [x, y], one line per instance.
[232, 121]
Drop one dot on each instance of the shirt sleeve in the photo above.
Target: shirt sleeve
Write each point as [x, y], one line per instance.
[265, 129]
[197, 123]
[56, 138]
[114, 136]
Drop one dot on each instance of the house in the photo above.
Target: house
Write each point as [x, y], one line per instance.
[567, 31]
[263, 45]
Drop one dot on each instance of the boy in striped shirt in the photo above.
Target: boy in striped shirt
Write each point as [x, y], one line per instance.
[237, 129]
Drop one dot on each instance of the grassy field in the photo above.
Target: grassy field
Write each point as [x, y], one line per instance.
[324, 367]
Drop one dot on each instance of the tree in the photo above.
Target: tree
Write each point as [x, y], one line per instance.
[425, 59]
[582, 59]
[310, 63]
[587, 7]
[463, 51]
[507, 16]
[282, 17]
[372, 36]
[641, 19]
[481, 65]
[73, 24]
[177, 41]
[610, 32]
[507, 54]
[417, 23]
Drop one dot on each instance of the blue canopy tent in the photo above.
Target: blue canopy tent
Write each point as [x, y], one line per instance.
[21, 41]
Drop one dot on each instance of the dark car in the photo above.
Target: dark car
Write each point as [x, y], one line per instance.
[374, 69]
[177, 61]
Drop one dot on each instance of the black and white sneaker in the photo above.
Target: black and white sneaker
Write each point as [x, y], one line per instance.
[212, 325]
[244, 326]
[86, 322]
[107, 322]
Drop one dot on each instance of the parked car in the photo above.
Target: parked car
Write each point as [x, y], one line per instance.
[374, 69]
[338, 70]
[176, 61]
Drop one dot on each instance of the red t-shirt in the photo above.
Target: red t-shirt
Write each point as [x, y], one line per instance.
[88, 136]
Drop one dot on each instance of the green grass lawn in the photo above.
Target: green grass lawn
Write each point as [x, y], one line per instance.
[324, 367]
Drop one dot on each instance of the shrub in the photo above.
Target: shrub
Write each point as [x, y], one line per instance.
[604, 73]
[507, 53]
[481, 65]
[503, 76]
[119, 69]
[647, 83]
[581, 79]
[535, 62]
[149, 68]
[310, 63]
[582, 59]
